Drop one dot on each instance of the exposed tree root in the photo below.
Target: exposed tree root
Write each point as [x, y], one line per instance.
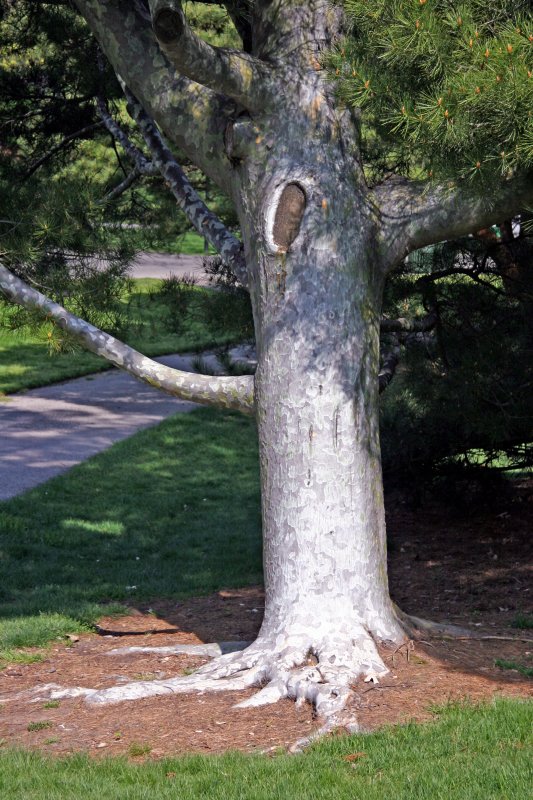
[321, 673]
[211, 650]
[417, 626]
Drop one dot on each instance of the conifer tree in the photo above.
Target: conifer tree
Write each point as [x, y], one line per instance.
[452, 82]
[266, 123]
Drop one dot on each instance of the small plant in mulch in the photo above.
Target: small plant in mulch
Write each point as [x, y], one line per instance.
[147, 676]
[137, 749]
[40, 725]
[513, 665]
[51, 704]
[523, 622]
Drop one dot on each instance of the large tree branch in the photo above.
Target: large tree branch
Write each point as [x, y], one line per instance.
[206, 223]
[296, 33]
[238, 10]
[417, 214]
[405, 325]
[232, 72]
[192, 116]
[225, 392]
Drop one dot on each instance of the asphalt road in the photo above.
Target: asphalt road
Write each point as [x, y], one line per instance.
[48, 430]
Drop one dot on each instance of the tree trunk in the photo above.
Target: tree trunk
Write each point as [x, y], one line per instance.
[316, 278]
[321, 485]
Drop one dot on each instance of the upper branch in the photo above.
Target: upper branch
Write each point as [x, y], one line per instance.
[295, 32]
[403, 325]
[122, 187]
[143, 165]
[232, 72]
[417, 214]
[192, 116]
[205, 221]
[226, 392]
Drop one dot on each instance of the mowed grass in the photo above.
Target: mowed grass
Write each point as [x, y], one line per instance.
[467, 753]
[26, 362]
[189, 243]
[173, 511]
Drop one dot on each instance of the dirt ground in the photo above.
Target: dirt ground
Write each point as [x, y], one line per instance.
[472, 570]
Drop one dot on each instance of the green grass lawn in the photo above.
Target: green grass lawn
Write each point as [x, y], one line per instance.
[174, 511]
[156, 240]
[25, 360]
[171, 512]
[467, 753]
[188, 244]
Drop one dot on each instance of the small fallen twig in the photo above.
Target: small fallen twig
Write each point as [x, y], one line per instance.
[482, 637]
[387, 686]
[409, 647]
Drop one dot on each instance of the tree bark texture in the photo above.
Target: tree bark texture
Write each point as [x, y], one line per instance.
[316, 278]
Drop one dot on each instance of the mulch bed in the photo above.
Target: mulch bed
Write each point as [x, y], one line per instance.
[474, 571]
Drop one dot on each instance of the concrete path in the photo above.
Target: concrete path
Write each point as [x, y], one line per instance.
[161, 265]
[46, 431]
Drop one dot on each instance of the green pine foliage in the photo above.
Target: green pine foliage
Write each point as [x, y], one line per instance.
[212, 23]
[451, 82]
[460, 402]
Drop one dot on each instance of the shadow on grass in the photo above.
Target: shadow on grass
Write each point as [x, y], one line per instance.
[171, 512]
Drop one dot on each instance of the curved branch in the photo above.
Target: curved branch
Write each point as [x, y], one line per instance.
[416, 214]
[121, 187]
[232, 72]
[206, 223]
[192, 116]
[142, 164]
[404, 325]
[68, 140]
[225, 392]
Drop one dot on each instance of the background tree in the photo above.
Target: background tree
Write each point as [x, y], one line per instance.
[51, 230]
[265, 124]
[437, 82]
[78, 197]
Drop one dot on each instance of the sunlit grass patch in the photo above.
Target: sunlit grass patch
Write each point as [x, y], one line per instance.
[171, 512]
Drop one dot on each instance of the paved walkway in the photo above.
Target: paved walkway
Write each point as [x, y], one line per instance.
[46, 431]
[161, 265]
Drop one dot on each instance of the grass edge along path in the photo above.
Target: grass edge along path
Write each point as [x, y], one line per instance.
[172, 511]
[467, 753]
